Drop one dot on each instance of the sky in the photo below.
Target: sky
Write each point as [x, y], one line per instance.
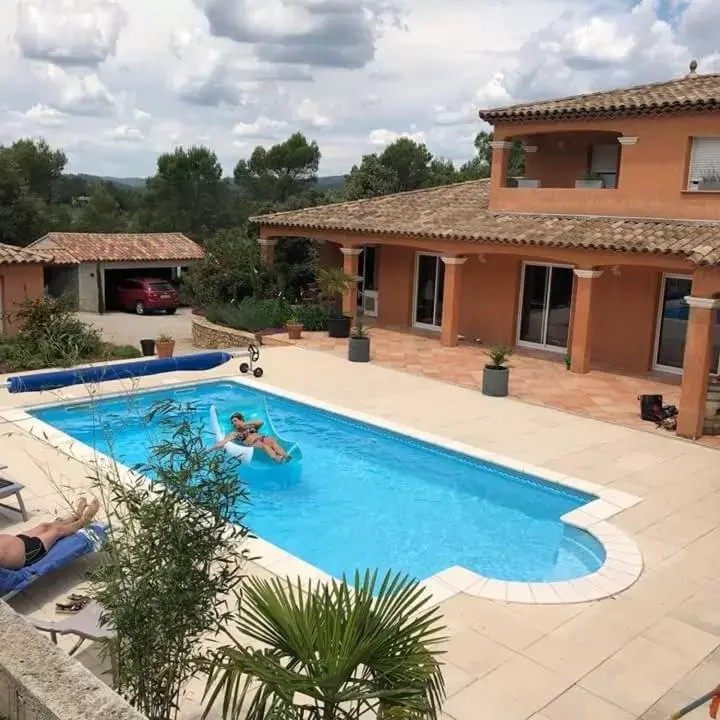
[117, 82]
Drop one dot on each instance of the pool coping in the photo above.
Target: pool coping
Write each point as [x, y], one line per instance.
[623, 560]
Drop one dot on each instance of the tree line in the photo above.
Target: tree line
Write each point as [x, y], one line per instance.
[190, 193]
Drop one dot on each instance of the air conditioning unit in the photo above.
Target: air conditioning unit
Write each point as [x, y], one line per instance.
[370, 303]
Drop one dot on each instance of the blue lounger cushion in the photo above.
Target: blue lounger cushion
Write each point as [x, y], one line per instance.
[60, 555]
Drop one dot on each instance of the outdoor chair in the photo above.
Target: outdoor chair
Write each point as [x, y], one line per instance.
[83, 542]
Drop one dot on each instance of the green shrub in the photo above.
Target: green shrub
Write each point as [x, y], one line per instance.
[122, 352]
[252, 315]
[52, 336]
[312, 316]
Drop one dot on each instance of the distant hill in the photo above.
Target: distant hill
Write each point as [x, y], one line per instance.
[329, 182]
[127, 182]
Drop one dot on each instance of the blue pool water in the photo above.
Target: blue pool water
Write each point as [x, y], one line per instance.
[367, 498]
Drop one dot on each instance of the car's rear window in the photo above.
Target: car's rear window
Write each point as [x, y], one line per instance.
[160, 286]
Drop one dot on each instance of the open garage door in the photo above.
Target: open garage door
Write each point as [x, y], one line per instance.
[114, 277]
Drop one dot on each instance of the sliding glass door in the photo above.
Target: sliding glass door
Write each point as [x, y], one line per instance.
[429, 286]
[545, 306]
[672, 326]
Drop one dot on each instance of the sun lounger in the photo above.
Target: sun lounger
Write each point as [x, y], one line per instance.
[61, 555]
[85, 625]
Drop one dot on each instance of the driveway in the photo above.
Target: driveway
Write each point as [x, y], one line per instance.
[127, 329]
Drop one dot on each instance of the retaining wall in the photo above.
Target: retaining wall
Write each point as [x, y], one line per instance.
[208, 336]
[39, 681]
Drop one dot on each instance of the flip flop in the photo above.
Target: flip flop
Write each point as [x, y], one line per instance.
[84, 599]
[69, 608]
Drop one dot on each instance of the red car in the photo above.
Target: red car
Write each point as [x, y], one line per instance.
[143, 295]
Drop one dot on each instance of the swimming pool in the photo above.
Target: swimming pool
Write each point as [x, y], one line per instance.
[365, 497]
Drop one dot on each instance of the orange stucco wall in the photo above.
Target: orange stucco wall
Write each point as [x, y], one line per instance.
[396, 280]
[623, 318]
[652, 175]
[18, 282]
[489, 298]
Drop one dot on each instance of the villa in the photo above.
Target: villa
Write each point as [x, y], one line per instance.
[607, 250]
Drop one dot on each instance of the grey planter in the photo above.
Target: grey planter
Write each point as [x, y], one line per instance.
[528, 183]
[589, 184]
[495, 381]
[339, 327]
[359, 349]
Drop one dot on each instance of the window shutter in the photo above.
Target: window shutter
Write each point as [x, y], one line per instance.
[605, 158]
[704, 158]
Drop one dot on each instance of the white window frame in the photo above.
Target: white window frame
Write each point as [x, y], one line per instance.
[528, 343]
[415, 324]
[694, 173]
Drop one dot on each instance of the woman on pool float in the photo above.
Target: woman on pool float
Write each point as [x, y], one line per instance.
[246, 433]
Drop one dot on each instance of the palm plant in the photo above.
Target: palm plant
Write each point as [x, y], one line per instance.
[333, 283]
[332, 652]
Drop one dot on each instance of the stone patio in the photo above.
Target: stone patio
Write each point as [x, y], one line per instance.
[538, 378]
[642, 654]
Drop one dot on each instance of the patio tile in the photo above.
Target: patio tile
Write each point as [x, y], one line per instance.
[578, 703]
[474, 653]
[637, 675]
[514, 691]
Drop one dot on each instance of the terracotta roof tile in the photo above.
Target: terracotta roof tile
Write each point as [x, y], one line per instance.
[693, 92]
[11, 255]
[460, 213]
[74, 248]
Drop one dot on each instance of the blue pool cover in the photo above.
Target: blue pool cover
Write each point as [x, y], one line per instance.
[116, 371]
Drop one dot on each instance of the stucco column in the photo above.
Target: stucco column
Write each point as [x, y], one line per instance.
[351, 259]
[696, 365]
[580, 345]
[267, 249]
[500, 162]
[450, 326]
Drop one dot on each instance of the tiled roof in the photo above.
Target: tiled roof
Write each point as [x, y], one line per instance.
[460, 213]
[74, 248]
[693, 92]
[11, 255]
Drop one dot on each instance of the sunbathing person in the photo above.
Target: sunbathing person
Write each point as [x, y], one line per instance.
[246, 433]
[19, 551]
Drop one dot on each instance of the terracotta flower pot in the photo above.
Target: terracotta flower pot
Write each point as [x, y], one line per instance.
[294, 330]
[164, 348]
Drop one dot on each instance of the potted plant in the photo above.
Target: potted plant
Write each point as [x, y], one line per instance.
[359, 342]
[148, 347]
[293, 326]
[710, 179]
[334, 282]
[165, 346]
[496, 373]
[590, 181]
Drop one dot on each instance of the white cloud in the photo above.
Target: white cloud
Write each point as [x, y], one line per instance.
[309, 114]
[382, 137]
[45, 116]
[125, 133]
[79, 94]
[69, 32]
[262, 128]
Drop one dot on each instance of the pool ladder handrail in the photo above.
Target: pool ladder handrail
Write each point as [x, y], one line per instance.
[713, 697]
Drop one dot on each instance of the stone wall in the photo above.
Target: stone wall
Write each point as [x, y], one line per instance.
[39, 681]
[208, 336]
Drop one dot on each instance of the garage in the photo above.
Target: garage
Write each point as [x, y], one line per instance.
[89, 267]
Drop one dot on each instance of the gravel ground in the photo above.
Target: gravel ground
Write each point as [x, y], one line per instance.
[128, 329]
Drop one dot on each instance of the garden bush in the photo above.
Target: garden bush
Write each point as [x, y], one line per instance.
[313, 316]
[252, 315]
[52, 336]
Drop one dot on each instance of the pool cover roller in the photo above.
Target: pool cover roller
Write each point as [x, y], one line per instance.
[119, 371]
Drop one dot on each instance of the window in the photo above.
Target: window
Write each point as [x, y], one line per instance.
[159, 286]
[604, 162]
[704, 171]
